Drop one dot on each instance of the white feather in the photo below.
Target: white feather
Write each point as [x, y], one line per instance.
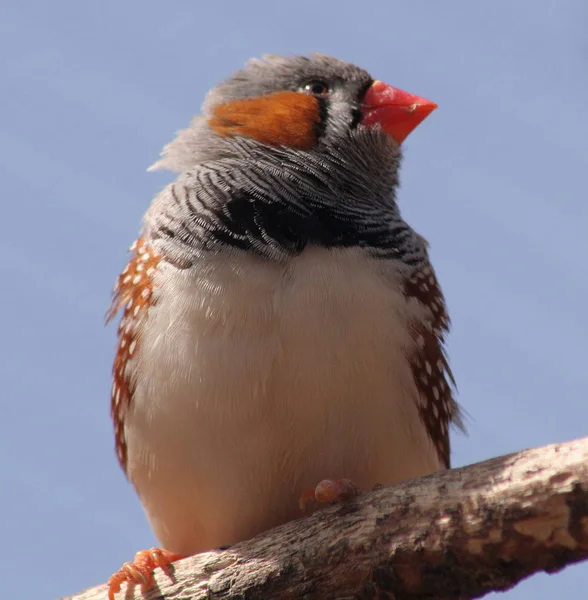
[255, 380]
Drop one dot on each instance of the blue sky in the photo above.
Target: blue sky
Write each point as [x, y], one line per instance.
[495, 179]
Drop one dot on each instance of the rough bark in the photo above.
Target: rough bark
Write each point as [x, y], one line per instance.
[453, 535]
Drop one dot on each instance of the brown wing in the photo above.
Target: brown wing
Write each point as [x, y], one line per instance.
[433, 377]
[134, 291]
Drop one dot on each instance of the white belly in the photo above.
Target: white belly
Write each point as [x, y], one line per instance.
[257, 380]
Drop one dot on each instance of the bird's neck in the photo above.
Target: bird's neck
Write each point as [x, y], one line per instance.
[277, 203]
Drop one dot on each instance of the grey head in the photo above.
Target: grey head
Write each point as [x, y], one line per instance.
[283, 143]
[344, 84]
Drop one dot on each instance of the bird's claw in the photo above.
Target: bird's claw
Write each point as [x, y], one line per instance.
[140, 571]
[329, 491]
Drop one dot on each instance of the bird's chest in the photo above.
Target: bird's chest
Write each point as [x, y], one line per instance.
[241, 335]
[255, 381]
[276, 377]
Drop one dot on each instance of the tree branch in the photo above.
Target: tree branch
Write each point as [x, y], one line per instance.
[453, 535]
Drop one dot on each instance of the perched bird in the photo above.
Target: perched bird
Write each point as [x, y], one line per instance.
[282, 324]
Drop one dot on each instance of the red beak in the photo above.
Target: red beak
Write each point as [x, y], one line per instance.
[396, 111]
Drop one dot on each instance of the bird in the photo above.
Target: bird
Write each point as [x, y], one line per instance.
[282, 340]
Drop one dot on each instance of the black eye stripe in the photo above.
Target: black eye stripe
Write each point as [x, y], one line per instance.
[355, 118]
[323, 116]
[364, 89]
[355, 114]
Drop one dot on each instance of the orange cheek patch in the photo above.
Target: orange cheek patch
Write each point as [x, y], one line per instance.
[279, 119]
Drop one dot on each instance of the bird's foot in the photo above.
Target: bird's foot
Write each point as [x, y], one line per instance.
[329, 491]
[140, 571]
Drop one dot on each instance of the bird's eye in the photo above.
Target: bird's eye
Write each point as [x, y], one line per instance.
[316, 88]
